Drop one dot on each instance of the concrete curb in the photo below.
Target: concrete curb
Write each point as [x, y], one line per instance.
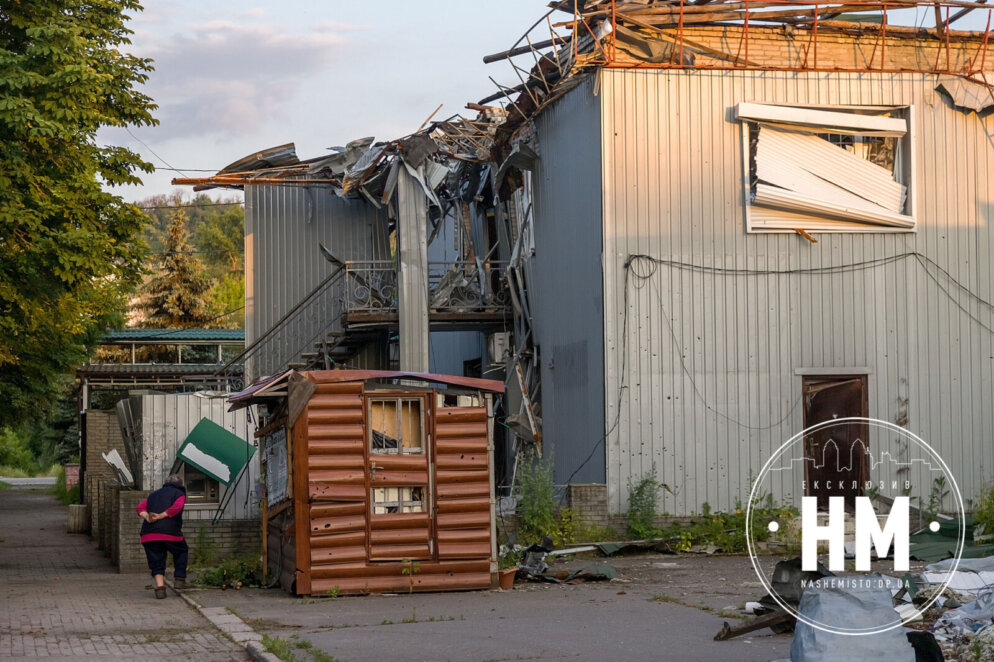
[232, 626]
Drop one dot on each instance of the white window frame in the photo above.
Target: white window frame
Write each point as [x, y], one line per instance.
[758, 218]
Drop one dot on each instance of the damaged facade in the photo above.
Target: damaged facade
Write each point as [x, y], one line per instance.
[746, 227]
[705, 226]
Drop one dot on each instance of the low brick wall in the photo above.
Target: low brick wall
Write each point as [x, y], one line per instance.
[130, 554]
[103, 434]
[226, 538]
[72, 475]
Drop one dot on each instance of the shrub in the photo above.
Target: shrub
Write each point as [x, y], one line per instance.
[59, 489]
[15, 454]
[642, 499]
[536, 498]
[727, 531]
[983, 511]
[234, 572]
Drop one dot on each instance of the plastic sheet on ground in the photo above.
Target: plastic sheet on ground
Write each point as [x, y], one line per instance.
[868, 606]
[972, 576]
[968, 619]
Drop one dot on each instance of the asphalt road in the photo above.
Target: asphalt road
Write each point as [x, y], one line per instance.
[44, 480]
[641, 616]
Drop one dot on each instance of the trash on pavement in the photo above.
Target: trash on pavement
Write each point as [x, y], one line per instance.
[869, 604]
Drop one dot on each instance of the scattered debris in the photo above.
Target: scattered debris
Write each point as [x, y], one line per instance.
[868, 604]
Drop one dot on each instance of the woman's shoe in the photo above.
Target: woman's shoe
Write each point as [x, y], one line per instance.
[179, 583]
[160, 592]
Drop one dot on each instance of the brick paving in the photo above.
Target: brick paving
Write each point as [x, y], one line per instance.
[60, 598]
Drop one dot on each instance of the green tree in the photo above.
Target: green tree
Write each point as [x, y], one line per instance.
[221, 237]
[69, 249]
[176, 296]
[228, 301]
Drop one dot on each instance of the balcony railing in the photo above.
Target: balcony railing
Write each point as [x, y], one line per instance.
[453, 287]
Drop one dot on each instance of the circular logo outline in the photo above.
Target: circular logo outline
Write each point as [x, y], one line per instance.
[854, 632]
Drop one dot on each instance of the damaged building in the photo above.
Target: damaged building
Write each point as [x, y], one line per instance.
[749, 218]
[691, 231]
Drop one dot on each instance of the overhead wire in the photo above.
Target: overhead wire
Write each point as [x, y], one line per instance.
[169, 167]
[644, 267]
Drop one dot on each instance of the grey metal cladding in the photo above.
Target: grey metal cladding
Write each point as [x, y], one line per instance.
[284, 227]
[712, 358]
[567, 285]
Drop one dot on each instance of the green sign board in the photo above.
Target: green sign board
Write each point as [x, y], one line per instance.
[213, 450]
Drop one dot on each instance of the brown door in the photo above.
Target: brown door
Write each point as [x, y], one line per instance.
[837, 454]
[399, 468]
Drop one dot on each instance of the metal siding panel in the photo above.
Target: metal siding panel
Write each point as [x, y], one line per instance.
[168, 419]
[709, 361]
[288, 223]
[565, 280]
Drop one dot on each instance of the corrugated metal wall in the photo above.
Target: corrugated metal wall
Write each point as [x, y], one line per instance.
[166, 420]
[284, 226]
[565, 283]
[702, 375]
[337, 536]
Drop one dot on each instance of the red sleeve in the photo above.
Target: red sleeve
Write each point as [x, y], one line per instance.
[174, 510]
[142, 506]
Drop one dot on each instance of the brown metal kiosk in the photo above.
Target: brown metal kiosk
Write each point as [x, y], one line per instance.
[377, 481]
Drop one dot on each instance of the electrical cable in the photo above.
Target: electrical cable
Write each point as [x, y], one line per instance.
[128, 129]
[643, 267]
[193, 204]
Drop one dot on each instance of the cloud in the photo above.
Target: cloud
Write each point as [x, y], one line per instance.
[223, 77]
[255, 12]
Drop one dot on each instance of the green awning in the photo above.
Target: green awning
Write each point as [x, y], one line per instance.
[215, 451]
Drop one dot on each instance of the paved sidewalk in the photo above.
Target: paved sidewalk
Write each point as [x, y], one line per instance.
[63, 600]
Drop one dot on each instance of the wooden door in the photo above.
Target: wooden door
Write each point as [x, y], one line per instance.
[399, 463]
[837, 454]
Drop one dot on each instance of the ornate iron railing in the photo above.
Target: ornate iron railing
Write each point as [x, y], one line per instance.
[454, 287]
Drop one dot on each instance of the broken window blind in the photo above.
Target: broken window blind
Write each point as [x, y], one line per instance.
[825, 170]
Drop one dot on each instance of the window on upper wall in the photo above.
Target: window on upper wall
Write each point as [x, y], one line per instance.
[828, 169]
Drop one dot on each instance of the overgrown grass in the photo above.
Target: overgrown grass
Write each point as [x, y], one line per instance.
[59, 489]
[235, 572]
[316, 653]
[14, 472]
[727, 531]
[279, 647]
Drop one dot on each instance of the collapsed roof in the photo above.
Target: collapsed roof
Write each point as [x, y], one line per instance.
[576, 36]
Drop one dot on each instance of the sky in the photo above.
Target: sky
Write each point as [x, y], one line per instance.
[232, 78]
